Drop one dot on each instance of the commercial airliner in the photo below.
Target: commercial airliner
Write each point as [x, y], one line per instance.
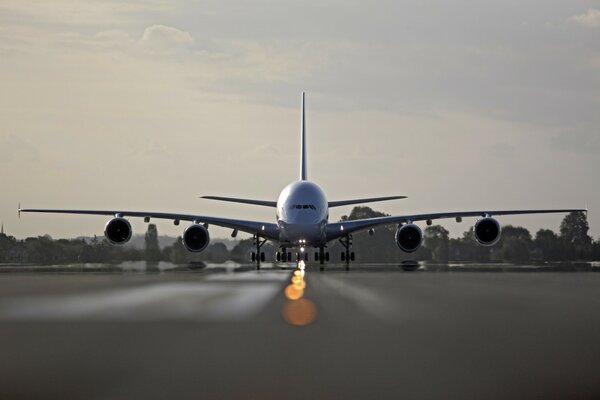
[302, 221]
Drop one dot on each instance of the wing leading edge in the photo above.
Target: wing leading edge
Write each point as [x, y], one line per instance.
[268, 230]
[265, 203]
[339, 203]
[339, 229]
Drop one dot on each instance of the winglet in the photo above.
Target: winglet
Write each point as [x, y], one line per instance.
[19, 210]
[303, 176]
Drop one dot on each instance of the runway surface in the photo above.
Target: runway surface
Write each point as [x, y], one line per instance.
[230, 332]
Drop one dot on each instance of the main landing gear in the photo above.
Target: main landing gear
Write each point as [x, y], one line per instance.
[258, 256]
[347, 255]
[283, 256]
[322, 256]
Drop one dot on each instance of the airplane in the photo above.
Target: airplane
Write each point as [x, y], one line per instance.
[302, 221]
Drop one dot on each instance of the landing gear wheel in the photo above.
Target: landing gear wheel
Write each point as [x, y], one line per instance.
[258, 255]
[352, 256]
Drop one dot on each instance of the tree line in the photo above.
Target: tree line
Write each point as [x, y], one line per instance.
[516, 245]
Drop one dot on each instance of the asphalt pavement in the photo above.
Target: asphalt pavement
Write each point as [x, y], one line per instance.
[230, 332]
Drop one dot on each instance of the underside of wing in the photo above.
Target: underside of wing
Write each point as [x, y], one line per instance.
[264, 229]
[265, 203]
[339, 203]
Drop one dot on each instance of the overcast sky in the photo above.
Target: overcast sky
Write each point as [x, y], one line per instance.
[149, 104]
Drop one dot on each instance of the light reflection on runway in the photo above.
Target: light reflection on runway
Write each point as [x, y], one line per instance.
[298, 310]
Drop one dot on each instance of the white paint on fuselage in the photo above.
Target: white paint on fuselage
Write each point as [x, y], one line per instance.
[302, 214]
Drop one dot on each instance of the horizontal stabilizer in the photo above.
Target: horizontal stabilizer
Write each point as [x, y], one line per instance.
[360, 201]
[245, 201]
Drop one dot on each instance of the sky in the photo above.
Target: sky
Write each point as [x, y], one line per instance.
[147, 105]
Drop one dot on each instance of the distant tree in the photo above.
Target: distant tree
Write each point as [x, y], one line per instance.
[574, 230]
[514, 245]
[151, 239]
[377, 248]
[437, 241]
[361, 212]
[217, 253]
[548, 245]
[467, 249]
[596, 250]
[241, 252]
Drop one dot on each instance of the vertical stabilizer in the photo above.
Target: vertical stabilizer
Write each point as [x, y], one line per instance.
[303, 176]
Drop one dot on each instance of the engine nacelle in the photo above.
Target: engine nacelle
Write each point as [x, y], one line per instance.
[409, 238]
[118, 231]
[195, 238]
[487, 231]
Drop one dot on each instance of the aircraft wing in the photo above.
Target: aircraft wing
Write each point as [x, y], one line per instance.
[267, 230]
[338, 203]
[339, 229]
[265, 203]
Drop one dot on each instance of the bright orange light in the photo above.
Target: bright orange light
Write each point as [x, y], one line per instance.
[296, 279]
[297, 272]
[293, 293]
[300, 285]
[299, 313]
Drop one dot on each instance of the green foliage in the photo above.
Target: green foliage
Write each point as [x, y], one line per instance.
[574, 234]
[152, 248]
[436, 239]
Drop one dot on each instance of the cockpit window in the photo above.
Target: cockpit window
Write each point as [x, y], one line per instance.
[303, 206]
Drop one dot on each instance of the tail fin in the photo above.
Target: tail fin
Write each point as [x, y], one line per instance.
[303, 175]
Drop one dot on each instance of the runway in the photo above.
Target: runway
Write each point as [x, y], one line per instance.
[230, 332]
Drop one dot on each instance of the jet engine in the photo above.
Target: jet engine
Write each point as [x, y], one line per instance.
[195, 238]
[487, 231]
[409, 238]
[118, 231]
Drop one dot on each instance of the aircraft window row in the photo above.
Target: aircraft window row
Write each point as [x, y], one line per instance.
[304, 206]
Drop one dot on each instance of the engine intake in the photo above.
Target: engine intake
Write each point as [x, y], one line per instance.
[487, 231]
[195, 238]
[118, 231]
[409, 238]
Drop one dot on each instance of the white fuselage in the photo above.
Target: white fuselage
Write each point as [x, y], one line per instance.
[302, 214]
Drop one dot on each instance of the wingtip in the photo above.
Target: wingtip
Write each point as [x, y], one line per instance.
[19, 210]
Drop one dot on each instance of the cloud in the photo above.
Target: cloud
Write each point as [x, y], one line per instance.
[75, 12]
[590, 19]
[166, 37]
[13, 148]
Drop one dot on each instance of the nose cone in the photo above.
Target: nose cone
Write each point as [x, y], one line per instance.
[302, 202]
[302, 212]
